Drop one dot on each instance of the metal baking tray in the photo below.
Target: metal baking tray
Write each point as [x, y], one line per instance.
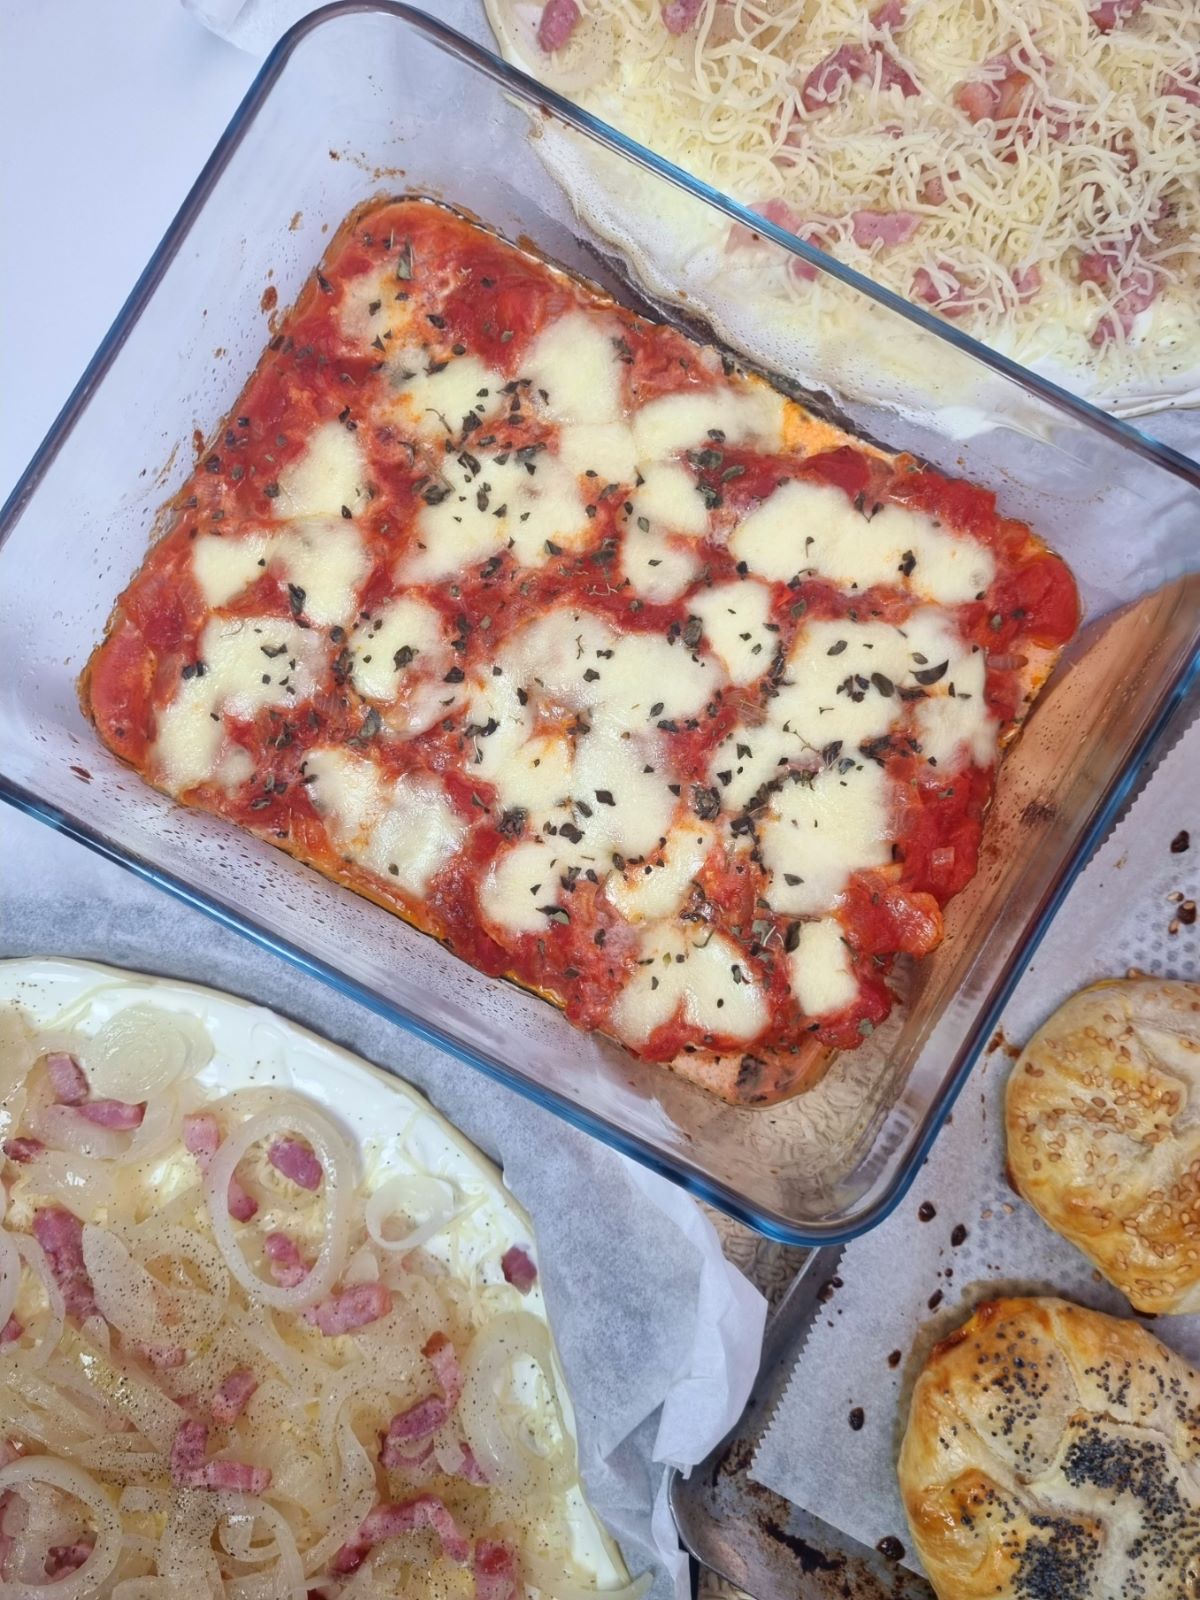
[755, 1538]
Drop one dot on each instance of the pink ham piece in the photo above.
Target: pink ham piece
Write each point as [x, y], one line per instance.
[294, 1159]
[884, 227]
[287, 1266]
[559, 20]
[440, 1354]
[418, 1422]
[202, 1138]
[680, 15]
[853, 63]
[782, 215]
[12, 1330]
[118, 1114]
[496, 1573]
[951, 302]
[1137, 295]
[470, 1470]
[1179, 89]
[60, 1234]
[350, 1308]
[405, 1516]
[67, 1557]
[518, 1268]
[189, 1469]
[1110, 14]
[1027, 281]
[23, 1150]
[233, 1396]
[67, 1079]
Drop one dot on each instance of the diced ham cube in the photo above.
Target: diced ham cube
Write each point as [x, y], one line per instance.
[889, 15]
[405, 1516]
[497, 1576]
[23, 1150]
[67, 1557]
[470, 1468]
[417, 1422]
[680, 15]
[233, 1396]
[67, 1079]
[854, 63]
[1110, 14]
[1027, 281]
[1181, 89]
[60, 1234]
[202, 1138]
[12, 1330]
[441, 1356]
[884, 227]
[951, 299]
[1138, 294]
[558, 22]
[350, 1308]
[294, 1159]
[189, 1469]
[287, 1266]
[518, 1268]
[118, 1114]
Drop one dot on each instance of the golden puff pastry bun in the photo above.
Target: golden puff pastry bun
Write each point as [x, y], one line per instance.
[1053, 1453]
[1103, 1126]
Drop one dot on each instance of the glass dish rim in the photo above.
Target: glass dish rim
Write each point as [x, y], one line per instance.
[677, 1169]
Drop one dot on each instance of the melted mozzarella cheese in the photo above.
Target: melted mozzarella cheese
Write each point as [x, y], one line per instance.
[434, 404]
[814, 528]
[817, 832]
[502, 503]
[371, 309]
[404, 831]
[248, 663]
[330, 474]
[574, 367]
[821, 975]
[327, 559]
[735, 618]
[323, 557]
[664, 427]
[225, 565]
[398, 642]
[605, 448]
[659, 568]
[710, 982]
[659, 888]
[521, 885]
[668, 497]
[631, 808]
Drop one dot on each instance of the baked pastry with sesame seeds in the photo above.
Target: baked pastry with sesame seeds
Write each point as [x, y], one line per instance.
[1053, 1453]
[1103, 1126]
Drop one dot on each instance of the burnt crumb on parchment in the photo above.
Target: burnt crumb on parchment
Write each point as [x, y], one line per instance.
[1180, 842]
[856, 1418]
[926, 1211]
[890, 1548]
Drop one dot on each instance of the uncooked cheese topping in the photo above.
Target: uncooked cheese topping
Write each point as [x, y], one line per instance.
[590, 655]
[1028, 168]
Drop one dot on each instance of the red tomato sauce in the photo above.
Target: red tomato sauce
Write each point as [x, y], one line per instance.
[491, 302]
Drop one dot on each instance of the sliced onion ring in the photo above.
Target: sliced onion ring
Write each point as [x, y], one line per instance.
[504, 1455]
[107, 1525]
[338, 1165]
[410, 1197]
[10, 1276]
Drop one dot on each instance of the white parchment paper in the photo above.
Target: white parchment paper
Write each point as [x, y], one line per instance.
[905, 1285]
[659, 1335]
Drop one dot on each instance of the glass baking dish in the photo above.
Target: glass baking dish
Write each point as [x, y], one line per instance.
[366, 99]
